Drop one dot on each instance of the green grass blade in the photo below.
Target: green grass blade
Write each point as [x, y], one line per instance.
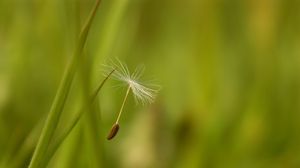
[60, 139]
[61, 96]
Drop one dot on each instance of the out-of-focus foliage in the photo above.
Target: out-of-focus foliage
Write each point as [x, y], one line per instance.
[229, 71]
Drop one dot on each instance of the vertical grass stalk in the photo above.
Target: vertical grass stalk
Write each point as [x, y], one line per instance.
[61, 95]
[60, 139]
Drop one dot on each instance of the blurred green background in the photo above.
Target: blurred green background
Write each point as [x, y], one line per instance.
[229, 71]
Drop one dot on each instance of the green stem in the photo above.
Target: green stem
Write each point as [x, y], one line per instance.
[60, 139]
[61, 96]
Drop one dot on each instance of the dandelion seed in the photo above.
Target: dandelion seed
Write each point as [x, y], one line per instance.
[113, 132]
[141, 92]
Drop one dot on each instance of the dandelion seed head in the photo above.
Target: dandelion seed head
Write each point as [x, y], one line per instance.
[142, 93]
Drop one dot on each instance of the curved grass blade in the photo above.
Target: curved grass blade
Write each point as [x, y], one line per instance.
[54, 147]
[61, 95]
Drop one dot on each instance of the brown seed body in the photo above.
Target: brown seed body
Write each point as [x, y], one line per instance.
[113, 132]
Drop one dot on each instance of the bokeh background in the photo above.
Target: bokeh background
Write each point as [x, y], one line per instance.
[229, 71]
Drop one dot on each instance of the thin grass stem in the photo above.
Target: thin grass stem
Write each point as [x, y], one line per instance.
[61, 138]
[61, 96]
